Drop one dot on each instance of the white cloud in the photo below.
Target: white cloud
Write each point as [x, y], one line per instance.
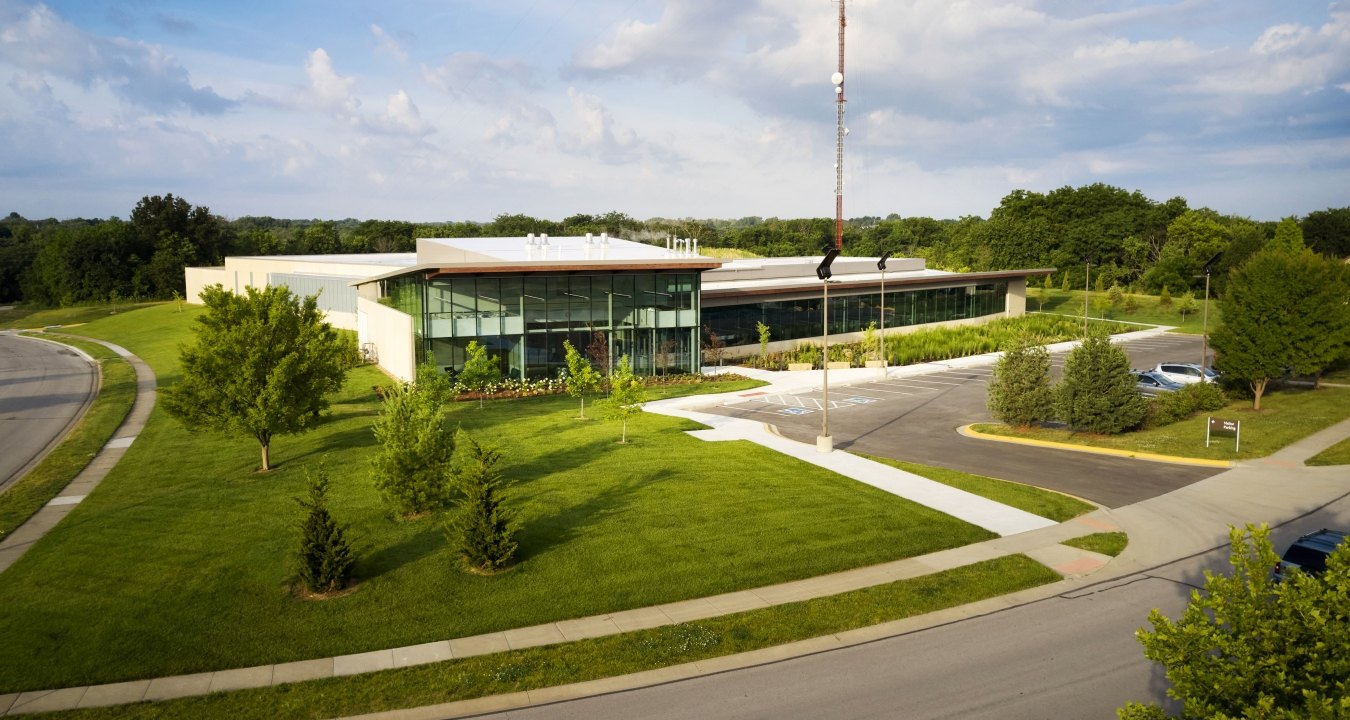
[387, 44]
[332, 91]
[476, 76]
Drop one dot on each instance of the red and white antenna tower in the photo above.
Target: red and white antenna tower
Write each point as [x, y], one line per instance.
[838, 79]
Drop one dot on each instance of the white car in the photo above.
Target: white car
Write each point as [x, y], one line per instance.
[1186, 373]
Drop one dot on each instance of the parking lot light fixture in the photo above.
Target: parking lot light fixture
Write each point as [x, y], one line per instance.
[881, 336]
[825, 443]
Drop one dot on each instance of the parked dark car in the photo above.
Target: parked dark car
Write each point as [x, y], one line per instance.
[1149, 382]
[1309, 553]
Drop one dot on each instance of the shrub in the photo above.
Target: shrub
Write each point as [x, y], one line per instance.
[1168, 408]
[1097, 393]
[411, 469]
[325, 557]
[1019, 392]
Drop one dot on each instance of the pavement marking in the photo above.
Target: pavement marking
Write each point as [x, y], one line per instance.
[66, 500]
[892, 392]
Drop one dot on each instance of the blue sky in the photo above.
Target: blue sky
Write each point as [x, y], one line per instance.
[443, 110]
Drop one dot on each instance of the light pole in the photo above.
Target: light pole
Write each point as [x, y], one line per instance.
[825, 443]
[881, 337]
[1087, 277]
[1204, 326]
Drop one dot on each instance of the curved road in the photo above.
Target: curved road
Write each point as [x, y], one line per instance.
[44, 389]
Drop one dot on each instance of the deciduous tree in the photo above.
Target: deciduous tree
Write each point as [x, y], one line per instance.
[480, 371]
[262, 365]
[1249, 647]
[581, 377]
[626, 396]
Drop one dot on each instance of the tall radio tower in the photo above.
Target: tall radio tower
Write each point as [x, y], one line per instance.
[838, 79]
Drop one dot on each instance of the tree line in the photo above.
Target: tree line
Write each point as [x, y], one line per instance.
[1124, 238]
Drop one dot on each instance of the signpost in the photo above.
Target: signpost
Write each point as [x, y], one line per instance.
[1225, 427]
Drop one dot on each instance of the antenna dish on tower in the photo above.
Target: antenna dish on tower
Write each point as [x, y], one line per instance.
[837, 78]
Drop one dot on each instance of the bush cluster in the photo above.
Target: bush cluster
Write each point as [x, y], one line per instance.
[1168, 408]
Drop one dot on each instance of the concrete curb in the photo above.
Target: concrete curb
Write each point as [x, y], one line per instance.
[970, 432]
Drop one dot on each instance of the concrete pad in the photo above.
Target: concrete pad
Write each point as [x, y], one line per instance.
[302, 670]
[177, 686]
[731, 603]
[688, 610]
[782, 594]
[241, 678]
[122, 442]
[115, 693]
[48, 700]
[66, 500]
[1068, 561]
[422, 654]
[479, 645]
[363, 662]
[7, 701]
[536, 636]
[1097, 523]
[640, 619]
[589, 627]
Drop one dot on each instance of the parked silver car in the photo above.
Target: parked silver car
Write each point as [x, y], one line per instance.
[1186, 373]
[1150, 382]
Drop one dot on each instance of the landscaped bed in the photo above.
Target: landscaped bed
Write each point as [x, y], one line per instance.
[181, 560]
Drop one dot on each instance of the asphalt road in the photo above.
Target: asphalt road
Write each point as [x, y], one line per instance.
[1073, 655]
[44, 388]
[916, 420]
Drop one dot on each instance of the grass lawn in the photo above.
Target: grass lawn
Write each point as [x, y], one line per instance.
[29, 317]
[1338, 454]
[1071, 303]
[600, 657]
[181, 561]
[62, 464]
[1037, 501]
[1286, 415]
[1107, 543]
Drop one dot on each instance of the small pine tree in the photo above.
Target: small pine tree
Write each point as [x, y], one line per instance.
[1115, 297]
[626, 396]
[1019, 392]
[1165, 299]
[482, 530]
[411, 469]
[1064, 283]
[1131, 303]
[325, 557]
[1097, 392]
[1100, 285]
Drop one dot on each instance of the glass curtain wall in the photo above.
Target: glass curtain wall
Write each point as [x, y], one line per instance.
[797, 319]
[524, 320]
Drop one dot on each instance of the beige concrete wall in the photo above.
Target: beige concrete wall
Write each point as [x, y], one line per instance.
[391, 332]
[199, 278]
[1017, 297]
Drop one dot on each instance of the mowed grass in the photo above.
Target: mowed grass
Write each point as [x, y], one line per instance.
[63, 463]
[1037, 501]
[181, 560]
[31, 317]
[1286, 415]
[1338, 454]
[601, 657]
[1106, 543]
[1147, 311]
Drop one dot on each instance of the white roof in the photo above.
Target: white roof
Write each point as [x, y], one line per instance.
[572, 248]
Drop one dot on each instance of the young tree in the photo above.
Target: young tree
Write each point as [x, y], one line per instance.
[1097, 392]
[480, 371]
[1019, 392]
[1115, 297]
[714, 348]
[413, 466]
[1165, 298]
[1247, 646]
[262, 365]
[326, 558]
[1186, 305]
[581, 377]
[1282, 309]
[482, 530]
[764, 335]
[598, 352]
[1064, 283]
[1288, 236]
[626, 396]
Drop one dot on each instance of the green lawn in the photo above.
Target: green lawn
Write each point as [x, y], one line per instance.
[1107, 543]
[180, 561]
[1038, 501]
[1071, 303]
[29, 317]
[601, 657]
[62, 464]
[1338, 454]
[1286, 415]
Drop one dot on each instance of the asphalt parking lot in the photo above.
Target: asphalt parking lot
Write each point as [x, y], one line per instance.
[916, 419]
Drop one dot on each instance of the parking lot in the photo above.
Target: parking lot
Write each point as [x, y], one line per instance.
[914, 414]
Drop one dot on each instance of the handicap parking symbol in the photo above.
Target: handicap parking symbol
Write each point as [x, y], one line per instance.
[796, 411]
[860, 400]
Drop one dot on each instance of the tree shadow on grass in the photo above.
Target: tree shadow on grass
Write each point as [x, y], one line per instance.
[559, 528]
[426, 540]
[560, 460]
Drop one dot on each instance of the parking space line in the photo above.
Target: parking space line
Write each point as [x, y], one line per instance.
[935, 382]
[912, 387]
[892, 392]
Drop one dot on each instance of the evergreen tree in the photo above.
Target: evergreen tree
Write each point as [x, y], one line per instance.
[1097, 393]
[581, 377]
[1064, 284]
[1019, 392]
[1249, 647]
[480, 371]
[1165, 298]
[413, 465]
[482, 531]
[325, 557]
[626, 396]
[1288, 236]
[262, 365]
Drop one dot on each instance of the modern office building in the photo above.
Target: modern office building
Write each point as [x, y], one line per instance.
[523, 297]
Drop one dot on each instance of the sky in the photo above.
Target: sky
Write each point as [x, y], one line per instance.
[435, 110]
